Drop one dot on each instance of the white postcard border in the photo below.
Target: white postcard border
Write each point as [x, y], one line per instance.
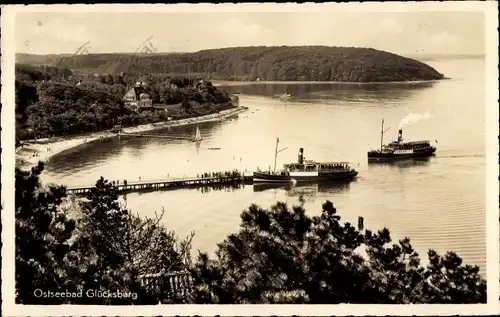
[9, 308]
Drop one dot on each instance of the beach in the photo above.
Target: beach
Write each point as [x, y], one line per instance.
[30, 153]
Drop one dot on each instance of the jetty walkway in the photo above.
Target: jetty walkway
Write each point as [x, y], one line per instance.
[206, 179]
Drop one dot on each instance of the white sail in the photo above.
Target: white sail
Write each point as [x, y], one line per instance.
[197, 137]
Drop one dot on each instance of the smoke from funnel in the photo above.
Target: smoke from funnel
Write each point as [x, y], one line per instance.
[412, 118]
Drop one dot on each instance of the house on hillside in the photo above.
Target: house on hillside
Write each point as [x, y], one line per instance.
[137, 97]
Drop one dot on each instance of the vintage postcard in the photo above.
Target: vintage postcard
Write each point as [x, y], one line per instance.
[235, 159]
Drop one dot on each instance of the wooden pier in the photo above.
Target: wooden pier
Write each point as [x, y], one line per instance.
[173, 183]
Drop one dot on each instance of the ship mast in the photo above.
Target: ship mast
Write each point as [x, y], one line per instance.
[382, 135]
[276, 153]
[382, 131]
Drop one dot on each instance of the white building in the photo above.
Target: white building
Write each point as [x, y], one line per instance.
[137, 97]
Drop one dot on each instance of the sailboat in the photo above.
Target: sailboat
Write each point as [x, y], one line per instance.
[197, 137]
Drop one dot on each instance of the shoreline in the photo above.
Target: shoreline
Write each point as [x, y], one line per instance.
[43, 149]
[296, 82]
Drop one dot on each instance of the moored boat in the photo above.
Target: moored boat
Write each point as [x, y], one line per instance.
[306, 171]
[284, 96]
[399, 149]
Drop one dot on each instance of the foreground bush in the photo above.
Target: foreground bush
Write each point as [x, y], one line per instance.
[282, 255]
[93, 244]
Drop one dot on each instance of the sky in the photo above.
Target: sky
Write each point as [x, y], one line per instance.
[432, 32]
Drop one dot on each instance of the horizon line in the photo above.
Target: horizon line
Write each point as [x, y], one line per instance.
[229, 47]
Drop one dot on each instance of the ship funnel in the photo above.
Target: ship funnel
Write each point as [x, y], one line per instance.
[301, 156]
[400, 135]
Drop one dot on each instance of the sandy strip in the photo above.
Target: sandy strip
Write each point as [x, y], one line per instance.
[43, 149]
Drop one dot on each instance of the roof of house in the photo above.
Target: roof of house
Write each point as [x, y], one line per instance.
[138, 90]
[144, 96]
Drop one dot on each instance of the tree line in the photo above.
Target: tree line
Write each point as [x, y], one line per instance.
[280, 63]
[47, 107]
[280, 255]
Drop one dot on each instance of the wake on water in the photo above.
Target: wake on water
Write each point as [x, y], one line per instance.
[459, 156]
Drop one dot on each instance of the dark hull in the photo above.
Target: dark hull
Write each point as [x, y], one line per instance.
[334, 176]
[384, 157]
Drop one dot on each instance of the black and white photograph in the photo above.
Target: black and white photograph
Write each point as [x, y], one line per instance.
[166, 156]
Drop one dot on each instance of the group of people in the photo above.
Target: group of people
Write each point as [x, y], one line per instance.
[233, 173]
[117, 182]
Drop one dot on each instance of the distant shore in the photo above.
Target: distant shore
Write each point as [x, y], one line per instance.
[31, 152]
[247, 82]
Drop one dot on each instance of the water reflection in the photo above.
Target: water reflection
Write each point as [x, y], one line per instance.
[403, 163]
[331, 91]
[201, 188]
[292, 190]
[108, 149]
[78, 157]
[304, 189]
[198, 145]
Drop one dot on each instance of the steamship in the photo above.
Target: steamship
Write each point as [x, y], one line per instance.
[306, 171]
[399, 149]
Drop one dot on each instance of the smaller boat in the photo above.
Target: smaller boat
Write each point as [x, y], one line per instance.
[197, 137]
[284, 96]
[399, 149]
[306, 171]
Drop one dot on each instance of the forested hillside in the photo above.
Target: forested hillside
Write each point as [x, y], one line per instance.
[301, 63]
[46, 105]
[36, 59]
[41, 72]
